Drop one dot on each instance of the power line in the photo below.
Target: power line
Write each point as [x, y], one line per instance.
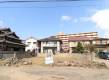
[20, 1]
[48, 6]
[35, 1]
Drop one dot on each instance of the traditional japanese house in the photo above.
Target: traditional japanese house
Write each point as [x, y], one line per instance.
[9, 41]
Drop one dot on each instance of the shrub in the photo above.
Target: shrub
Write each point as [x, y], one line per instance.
[79, 48]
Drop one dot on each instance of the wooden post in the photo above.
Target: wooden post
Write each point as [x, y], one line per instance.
[14, 55]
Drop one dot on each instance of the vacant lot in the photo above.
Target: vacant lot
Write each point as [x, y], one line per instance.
[39, 71]
[63, 57]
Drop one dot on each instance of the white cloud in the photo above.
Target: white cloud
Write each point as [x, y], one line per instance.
[66, 18]
[84, 19]
[101, 19]
[81, 19]
[75, 20]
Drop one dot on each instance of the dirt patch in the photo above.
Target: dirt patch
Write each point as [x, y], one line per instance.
[99, 65]
[53, 77]
[52, 73]
[4, 77]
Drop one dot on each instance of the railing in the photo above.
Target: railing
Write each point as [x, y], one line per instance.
[101, 43]
[50, 45]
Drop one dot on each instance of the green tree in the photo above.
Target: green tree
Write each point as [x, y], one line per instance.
[80, 48]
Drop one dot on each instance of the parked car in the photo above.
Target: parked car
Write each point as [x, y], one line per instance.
[103, 55]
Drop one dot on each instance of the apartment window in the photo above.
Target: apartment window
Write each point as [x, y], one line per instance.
[97, 42]
[104, 41]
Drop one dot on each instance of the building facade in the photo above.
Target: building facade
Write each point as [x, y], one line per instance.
[87, 34]
[73, 42]
[50, 43]
[66, 38]
[101, 44]
[70, 41]
[65, 41]
[98, 43]
[31, 44]
[9, 41]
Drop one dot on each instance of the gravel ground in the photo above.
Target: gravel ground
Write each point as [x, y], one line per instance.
[52, 73]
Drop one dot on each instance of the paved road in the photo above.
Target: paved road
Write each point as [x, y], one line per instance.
[52, 73]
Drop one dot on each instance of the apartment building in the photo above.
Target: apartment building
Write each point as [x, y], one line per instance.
[65, 41]
[66, 38]
[70, 41]
[88, 34]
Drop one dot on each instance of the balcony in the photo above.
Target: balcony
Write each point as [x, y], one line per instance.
[50, 45]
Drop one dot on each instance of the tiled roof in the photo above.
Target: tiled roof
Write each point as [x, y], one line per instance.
[31, 37]
[52, 38]
[1, 29]
[80, 38]
[101, 39]
[6, 41]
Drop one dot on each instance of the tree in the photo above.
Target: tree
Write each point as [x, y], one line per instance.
[80, 48]
[91, 49]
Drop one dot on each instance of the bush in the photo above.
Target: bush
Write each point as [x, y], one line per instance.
[79, 48]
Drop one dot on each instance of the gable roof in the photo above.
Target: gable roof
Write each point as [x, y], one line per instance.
[5, 29]
[51, 38]
[80, 38]
[101, 39]
[31, 37]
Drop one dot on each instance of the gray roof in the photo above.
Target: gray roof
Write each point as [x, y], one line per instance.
[101, 39]
[32, 38]
[5, 28]
[51, 38]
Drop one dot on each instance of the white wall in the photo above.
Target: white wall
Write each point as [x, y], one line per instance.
[50, 44]
[58, 46]
[31, 44]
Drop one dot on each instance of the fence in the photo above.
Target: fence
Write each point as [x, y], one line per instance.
[15, 54]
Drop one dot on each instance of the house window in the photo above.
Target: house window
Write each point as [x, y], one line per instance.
[28, 43]
[55, 42]
[34, 42]
[104, 41]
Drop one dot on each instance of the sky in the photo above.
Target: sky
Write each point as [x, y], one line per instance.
[43, 19]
